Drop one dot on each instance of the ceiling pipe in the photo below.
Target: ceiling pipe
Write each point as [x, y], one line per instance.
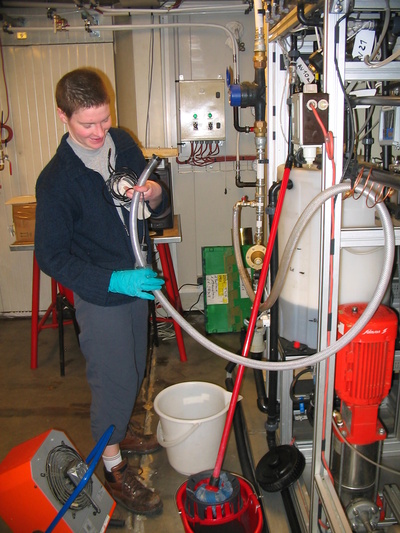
[229, 8]
[129, 27]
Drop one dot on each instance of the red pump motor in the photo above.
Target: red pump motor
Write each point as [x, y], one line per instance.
[364, 371]
[363, 376]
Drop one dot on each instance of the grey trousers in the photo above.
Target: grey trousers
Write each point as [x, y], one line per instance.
[113, 341]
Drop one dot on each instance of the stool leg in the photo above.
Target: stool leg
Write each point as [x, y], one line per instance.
[35, 313]
[166, 267]
[177, 298]
[60, 318]
[180, 343]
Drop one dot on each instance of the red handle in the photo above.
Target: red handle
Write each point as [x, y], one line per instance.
[252, 324]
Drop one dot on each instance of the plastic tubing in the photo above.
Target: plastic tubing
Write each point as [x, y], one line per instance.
[244, 275]
[317, 202]
[383, 63]
[383, 32]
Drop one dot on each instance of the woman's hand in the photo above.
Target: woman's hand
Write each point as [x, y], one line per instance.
[151, 192]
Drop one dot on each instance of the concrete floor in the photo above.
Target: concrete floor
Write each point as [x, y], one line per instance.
[34, 401]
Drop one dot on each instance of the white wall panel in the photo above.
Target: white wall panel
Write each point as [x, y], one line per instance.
[203, 196]
[31, 74]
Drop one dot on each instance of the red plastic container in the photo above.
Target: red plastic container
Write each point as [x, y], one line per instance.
[248, 519]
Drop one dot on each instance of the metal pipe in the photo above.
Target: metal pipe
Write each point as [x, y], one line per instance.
[222, 8]
[375, 100]
[260, 126]
[132, 27]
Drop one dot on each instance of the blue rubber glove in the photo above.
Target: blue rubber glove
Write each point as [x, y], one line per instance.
[135, 282]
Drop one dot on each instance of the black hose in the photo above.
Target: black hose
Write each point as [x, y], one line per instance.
[384, 177]
[309, 22]
[237, 126]
[290, 512]
[368, 139]
[294, 55]
[259, 103]
[383, 99]
[242, 441]
[262, 400]
[272, 411]
[386, 149]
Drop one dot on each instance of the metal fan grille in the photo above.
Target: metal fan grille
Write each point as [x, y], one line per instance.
[59, 460]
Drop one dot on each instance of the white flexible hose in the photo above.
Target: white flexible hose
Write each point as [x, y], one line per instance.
[244, 275]
[370, 310]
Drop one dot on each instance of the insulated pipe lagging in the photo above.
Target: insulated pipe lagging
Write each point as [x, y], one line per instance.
[369, 311]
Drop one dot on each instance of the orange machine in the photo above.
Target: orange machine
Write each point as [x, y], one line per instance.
[36, 480]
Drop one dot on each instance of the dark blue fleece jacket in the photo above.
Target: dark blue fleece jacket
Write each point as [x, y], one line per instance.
[79, 236]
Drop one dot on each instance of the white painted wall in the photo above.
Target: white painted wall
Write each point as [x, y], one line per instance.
[31, 73]
[204, 197]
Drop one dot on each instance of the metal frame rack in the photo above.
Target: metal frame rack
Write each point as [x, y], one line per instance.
[314, 495]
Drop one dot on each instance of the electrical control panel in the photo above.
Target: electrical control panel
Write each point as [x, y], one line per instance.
[201, 110]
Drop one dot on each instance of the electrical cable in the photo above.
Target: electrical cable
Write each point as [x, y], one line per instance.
[383, 32]
[165, 330]
[351, 138]
[281, 107]
[328, 135]
[149, 83]
[120, 181]
[293, 396]
[366, 132]
[192, 307]
[6, 89]
[202, 153]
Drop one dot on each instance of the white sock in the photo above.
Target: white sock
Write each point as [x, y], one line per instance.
[110, 462]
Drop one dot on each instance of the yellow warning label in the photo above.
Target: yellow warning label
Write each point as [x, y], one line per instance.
[217, 289]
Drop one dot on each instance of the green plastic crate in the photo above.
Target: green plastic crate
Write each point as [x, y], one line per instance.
[226, 303]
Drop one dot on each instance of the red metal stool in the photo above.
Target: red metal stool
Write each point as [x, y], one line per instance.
[62, 299]
[173, 294]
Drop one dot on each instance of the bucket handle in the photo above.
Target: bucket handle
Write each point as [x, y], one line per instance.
[179, 440]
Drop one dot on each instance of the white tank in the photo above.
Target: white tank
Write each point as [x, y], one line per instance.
[298, 301]
[359, 266]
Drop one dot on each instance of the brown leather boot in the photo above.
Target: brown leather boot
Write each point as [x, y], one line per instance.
[136, 442]
[126, 487]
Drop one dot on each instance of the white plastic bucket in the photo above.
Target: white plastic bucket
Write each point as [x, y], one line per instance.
[192, 417]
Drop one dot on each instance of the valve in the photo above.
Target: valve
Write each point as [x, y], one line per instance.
[255, 256]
